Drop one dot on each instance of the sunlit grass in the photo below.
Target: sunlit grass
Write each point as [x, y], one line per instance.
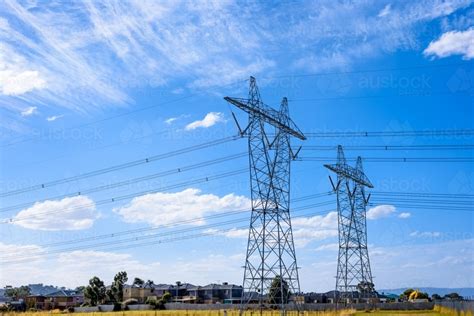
[438, 310]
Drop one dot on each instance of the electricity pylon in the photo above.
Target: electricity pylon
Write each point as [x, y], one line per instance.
[271, 272]
[354, 276]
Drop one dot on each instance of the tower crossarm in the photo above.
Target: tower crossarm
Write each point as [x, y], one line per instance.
[267, 114]
[351, 173]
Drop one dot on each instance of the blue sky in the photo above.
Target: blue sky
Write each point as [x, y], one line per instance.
[89, 85]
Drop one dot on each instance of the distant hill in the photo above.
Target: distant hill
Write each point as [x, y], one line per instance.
[464, 291]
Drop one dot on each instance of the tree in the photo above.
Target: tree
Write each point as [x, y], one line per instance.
[436, 297]
[275, 294]
[166, 297]
[416, 294]
[406, 294]
[95, 291]
[138, 282]
[115, 294]
[18, 292]
[453, 297]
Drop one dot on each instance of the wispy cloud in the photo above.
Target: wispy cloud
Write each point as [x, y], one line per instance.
[53, 118]
[453, 43]
[173, 119]
[425, 234]
[77, 54]
[404, 215]
[90, 55]
[385, 11]
[362, 35]
[209, 120]
[29, 111]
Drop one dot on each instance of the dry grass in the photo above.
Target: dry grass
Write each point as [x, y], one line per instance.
[228, 312]
[444, 311]
[438, 311]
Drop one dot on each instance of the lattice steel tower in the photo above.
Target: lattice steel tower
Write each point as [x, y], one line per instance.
[354, 276]
[271, 272]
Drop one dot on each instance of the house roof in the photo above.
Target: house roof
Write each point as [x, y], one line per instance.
[65, 293]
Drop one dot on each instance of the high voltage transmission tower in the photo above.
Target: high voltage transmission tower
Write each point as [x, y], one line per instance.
[354, 276]
[271, 272]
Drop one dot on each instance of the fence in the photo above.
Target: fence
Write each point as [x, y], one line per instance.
[312, 307]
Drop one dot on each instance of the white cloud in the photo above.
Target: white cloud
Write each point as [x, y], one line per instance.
[74, 268]
[53, 118]
[380, 211]
[339, 46]
[90, 55]
[20, 82]
[413, 264]
[165, 208]
[29, 111]
[173, 119]
[209, 120]
[453, 43]
[305, 229]
[404, 215]
[385, 11]
[93, 54]
[72, 213]
[69, 269]
[425, 234]
[170, 120]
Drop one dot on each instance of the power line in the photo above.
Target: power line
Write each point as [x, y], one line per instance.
[461, 132]
[152, 236]
[131, 195]
[393, 147]
[421, 133]
[175, 223]
[237, 82]
[318, 74]
[396, 95]
[395, 159]
[104, 119]
[431, 201]
[423, 194]
[130, 181]
[121, 166]
[428, 207]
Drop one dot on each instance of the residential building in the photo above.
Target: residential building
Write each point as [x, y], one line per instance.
[64, 299]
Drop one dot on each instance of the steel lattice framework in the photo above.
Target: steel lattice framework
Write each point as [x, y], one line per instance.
[271, 272]
[354, 276]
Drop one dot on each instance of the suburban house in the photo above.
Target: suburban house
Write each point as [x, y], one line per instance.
[214, 293]
[36, 301]
[140, 293]
[186, 293]
[64, 299]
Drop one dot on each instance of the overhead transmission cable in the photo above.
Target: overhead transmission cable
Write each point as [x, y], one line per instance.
[129, 196]
[151, 236]
[129, 181]
[121, 166]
